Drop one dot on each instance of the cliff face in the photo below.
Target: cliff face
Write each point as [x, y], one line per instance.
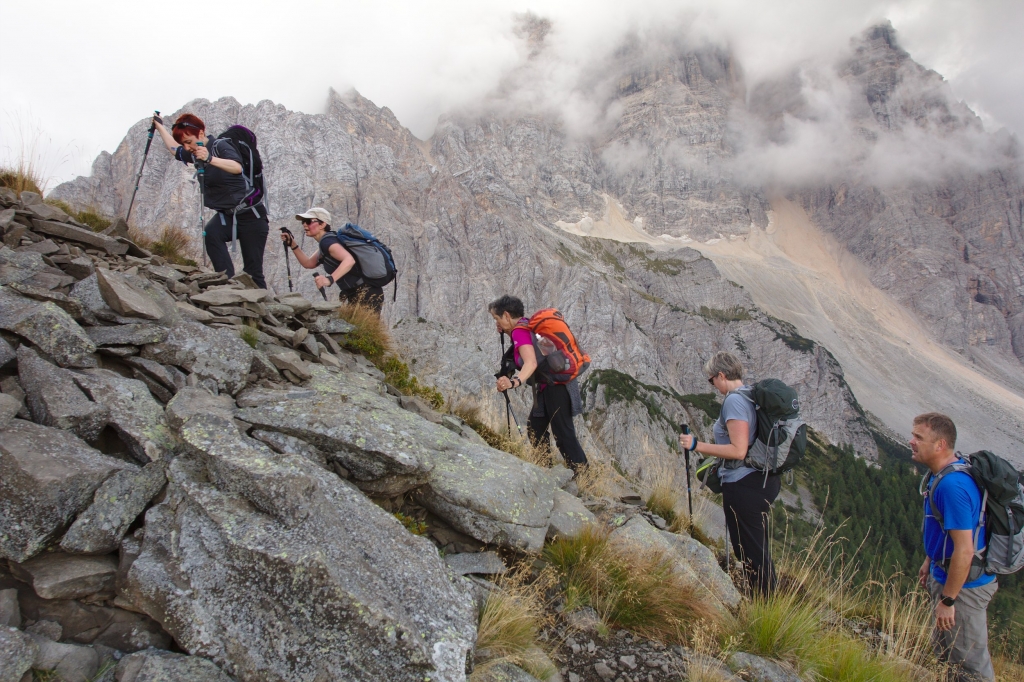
[514, 197]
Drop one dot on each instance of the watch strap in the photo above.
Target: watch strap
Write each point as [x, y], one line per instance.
[947, 601]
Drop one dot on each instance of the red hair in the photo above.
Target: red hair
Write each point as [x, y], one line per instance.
[187, 124]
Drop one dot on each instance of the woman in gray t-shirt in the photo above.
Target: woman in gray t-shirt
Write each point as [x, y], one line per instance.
[746, 494]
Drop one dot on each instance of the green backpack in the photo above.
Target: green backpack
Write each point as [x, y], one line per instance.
[781, 435]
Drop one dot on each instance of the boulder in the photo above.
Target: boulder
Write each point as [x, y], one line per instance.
[262, 367]
[47, 327]
[383, 457]
[568, 516]
[279, 442]
[703, 562]
[87, 291]
[479, 563]
[80, 267]
[116, 504]
[67, 576]
[127, 334]
[639, 533]
[80, 235]
[484, 493]
[22, 266]
[17, 653]
[119, 293]
[217, 296]
[54, 399]
[285, 359]
[47, 212]
[759, 669]
[190, 401]
[10, 611]
[217, 355]
[325, 324]
[278, 570]
[69, 305]
[164, 666]
[47, 477]
[135, 415]
[6, 352]
[194, 313]
[83, 623]
[71, 663]
[169, 376]
[9, 409]
[297, 302]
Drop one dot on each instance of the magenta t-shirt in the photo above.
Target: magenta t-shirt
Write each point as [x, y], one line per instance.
[520, 337]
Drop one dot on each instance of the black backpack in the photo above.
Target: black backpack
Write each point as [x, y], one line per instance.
[1002, 506]
[244, 141]
[781, 435]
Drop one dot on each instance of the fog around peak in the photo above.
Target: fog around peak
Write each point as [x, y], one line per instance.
[100, 71]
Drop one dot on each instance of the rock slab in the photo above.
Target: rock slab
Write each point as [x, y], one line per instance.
[116, 504]
[278, 570]
[47, 477]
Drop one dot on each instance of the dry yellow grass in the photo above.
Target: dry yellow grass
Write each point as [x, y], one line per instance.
[510, 622]
[630, 588]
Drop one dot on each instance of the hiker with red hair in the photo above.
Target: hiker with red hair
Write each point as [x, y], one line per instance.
[227, 191]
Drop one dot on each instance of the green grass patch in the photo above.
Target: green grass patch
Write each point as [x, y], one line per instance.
[733, 314]
[629, 587]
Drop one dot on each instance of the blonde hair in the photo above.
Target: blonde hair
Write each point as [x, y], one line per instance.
[726, 363]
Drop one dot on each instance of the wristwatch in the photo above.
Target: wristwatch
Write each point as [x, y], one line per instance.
[947, 601]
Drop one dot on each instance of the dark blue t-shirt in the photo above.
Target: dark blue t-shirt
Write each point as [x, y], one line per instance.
[959, 502]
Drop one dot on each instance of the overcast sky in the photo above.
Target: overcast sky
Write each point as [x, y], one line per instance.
[76, 74]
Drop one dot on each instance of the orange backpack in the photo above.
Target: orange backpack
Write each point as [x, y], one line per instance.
[559, 358]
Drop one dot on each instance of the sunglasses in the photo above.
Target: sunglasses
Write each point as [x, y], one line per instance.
[309, 221]
[178, 126]
[711, 380]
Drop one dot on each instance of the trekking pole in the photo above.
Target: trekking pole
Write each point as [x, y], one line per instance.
[288, 264]
[201, 179]
[689, 491]
[138, 178]
[508, 403]
[323, 292]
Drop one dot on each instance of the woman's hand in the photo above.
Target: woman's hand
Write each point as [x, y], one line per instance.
[504, 383]
[201, 153]
[288, 239]
[686, 440]
[323, 282]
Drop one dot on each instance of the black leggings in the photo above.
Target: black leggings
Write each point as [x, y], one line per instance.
[371, 297]
[553, 407]
[252, 238]
[747, 506]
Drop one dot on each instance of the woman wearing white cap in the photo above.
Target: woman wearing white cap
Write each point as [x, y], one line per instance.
[339, 263]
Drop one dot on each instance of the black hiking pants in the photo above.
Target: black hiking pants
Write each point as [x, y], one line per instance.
[252, 239]
[553, 407]
[371, 297]
[747, 507]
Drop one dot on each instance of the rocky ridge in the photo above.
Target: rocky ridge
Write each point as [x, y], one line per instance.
[179, 503]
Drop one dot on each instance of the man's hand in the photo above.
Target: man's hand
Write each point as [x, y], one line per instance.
[944, 617]
[323, 282]
[922, 575]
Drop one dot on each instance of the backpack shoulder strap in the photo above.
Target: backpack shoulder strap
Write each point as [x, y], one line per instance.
[930, 482]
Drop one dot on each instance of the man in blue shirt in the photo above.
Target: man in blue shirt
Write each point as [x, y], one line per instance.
[953, 540]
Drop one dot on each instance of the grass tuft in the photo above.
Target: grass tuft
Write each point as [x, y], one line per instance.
[250, 335]
[511, 621]
[172, 245]
[629, 588]
[21, 179]
[370, 339]
[89, 216]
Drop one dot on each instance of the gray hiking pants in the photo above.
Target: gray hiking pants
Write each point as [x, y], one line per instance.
[966, 645]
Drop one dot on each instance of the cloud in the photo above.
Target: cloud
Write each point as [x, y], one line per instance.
[99, 72]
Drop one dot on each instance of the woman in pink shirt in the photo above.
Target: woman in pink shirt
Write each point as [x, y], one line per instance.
[552, 403]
